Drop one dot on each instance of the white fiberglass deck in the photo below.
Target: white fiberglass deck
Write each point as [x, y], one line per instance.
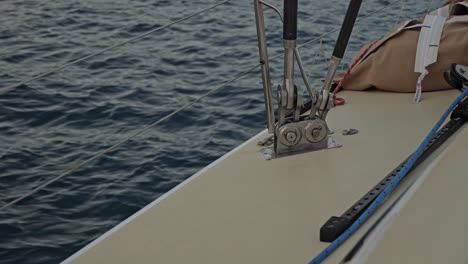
[243, 209]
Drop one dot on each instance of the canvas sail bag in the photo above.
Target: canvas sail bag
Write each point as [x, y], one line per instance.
[413, 56]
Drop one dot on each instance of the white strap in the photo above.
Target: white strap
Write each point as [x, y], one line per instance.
[428, 46]
[429, 40]
[417, 95]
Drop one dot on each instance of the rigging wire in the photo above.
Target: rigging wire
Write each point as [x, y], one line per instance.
[341, 101]
[400, 13]
[357, 20]
[124, 140]
[338, 28]
[429, 7]
[143, 130]
[59, 68]
[50, 72]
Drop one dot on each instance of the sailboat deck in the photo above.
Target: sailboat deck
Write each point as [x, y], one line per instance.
[244, 209]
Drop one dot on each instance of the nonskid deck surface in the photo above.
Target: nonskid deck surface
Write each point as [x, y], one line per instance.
[244, 209]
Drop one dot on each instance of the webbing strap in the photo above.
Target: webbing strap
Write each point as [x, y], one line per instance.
[429, 40]
[428, 47]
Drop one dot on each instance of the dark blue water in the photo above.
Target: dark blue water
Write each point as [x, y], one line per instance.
[49, 125]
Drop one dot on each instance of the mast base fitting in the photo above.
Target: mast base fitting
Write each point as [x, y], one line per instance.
[300, 137]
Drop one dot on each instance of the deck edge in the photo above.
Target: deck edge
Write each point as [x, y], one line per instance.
[83, 250]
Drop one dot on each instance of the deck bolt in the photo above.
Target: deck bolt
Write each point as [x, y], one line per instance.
[291, 137]
[316, 132]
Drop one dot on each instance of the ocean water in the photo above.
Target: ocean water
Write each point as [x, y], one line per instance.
[48, 125]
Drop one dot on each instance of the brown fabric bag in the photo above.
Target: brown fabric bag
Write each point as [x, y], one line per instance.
[390, 64]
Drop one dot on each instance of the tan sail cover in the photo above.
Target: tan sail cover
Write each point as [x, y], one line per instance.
[390, 64]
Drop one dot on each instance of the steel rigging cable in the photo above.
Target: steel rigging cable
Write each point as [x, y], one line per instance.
[4, 90]
[99, 52]
[146, 128]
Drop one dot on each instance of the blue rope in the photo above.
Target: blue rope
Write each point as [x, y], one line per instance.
[386, 192]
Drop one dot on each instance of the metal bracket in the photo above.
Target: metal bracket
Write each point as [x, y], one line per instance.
[293, 133]
[269, 153]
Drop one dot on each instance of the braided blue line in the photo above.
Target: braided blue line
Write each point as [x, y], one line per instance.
[390, 187]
